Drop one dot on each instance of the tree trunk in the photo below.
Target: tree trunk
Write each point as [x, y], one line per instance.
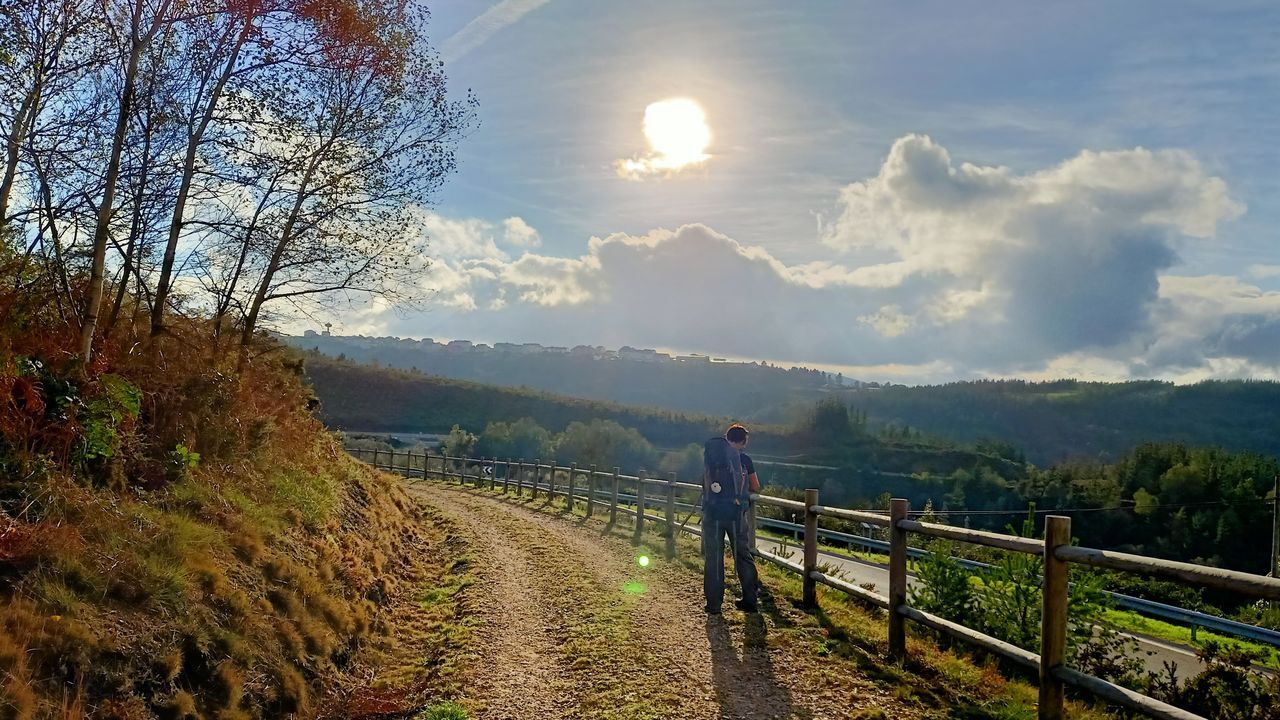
[194, 139]
[13, 145]
[138, 44]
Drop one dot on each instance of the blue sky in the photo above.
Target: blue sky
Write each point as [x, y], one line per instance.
[1110, 205]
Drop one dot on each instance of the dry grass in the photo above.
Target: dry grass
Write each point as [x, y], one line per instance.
[228, 588]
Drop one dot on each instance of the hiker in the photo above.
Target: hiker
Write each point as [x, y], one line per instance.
[753, 486]
[725, 498]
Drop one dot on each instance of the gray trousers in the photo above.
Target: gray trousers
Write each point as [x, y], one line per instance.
[713, 536]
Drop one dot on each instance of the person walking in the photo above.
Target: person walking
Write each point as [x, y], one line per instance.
[725, 498]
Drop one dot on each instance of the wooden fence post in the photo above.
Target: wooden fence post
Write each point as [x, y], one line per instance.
[426, 464]
[671, 516]
[520, 478]
[639, 507]
[1053, 618]
[810, 596]
[573, 472]
[506, 476]
[537, 470]
[898, 508]
[551, 483]
[591, 490]
[375, 458]
[613, 505]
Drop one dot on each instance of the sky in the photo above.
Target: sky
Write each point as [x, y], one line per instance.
[907, 192]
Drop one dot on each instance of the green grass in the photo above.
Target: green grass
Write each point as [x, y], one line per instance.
[1132, 622]
[443, 711]
[312, 495]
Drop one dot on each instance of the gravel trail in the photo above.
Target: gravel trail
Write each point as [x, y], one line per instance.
[573, 627]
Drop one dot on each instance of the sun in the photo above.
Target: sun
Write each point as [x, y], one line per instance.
[678, 136]
[677, 132]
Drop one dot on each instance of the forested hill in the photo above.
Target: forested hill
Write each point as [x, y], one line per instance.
[1068, 419]
[363, 397]
[1048, 422]
[748, 391]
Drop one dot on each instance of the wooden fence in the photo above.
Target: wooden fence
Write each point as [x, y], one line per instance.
[605, 488]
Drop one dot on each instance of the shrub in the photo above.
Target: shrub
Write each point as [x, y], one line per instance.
[945, 586]
[1227, 689]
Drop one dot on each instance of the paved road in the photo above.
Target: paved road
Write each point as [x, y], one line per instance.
[1155, 652]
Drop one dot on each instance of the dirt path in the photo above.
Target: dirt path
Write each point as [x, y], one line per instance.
[573, 627]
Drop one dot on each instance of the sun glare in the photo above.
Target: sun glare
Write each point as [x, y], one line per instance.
[678, 136]
[677, 131]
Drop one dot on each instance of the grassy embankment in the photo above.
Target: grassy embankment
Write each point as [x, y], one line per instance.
[178, 540]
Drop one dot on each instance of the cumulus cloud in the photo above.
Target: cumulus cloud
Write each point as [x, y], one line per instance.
[1068, 257]
[517, 232]
[980, 271]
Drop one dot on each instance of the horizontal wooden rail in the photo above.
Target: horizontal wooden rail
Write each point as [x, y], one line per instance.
[1124, 696]
[1245, 583]
[1006, 650]
[779, 502]
[977, 537]
[780, 562]
[862, 593]
[855, 515]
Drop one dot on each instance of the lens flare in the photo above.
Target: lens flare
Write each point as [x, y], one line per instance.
[643, 561]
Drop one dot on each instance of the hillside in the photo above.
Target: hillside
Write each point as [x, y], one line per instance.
[1049, 422]
[367, 398]
[1069, 419]
[364, 397]
[748, 391]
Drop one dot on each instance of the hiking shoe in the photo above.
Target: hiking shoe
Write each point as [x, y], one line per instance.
[712, 610]
[745, 606]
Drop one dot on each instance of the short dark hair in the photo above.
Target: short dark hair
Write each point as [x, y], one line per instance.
[736, 434]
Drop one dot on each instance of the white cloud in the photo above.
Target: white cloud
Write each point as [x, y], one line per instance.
[457, 239]
[981, 271]
[1259, 271]
[517, 232]
[889, 321]
[475, 33]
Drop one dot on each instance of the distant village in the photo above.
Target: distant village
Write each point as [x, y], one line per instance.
[597, 352]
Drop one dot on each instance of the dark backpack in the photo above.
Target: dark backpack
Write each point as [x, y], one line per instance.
[722, 484]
